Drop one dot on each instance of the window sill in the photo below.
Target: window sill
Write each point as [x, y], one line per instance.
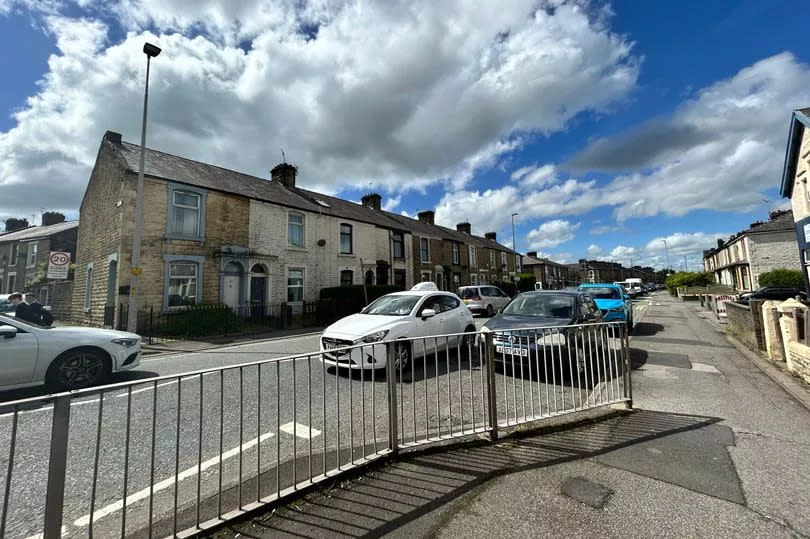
[170, 237]
[293, 248]
[347, 255]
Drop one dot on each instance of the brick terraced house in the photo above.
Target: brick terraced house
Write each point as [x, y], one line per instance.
[218, 236]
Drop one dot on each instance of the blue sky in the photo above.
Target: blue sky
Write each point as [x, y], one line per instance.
[606, 126]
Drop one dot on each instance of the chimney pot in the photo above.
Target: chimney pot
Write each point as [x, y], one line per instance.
[464, 227]
[373, 201]
[426, 216]
[284, 173]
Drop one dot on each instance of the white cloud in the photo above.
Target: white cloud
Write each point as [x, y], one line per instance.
[680, 244]
[401, 93]
[594, 250]
[603, 229]
[391, 203]
[552, 233]
[535, 176]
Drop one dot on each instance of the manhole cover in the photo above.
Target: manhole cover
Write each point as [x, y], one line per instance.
[680, 361]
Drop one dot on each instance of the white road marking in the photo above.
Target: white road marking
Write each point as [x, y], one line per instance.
[705, 367]
[299, 430]
[170, 481]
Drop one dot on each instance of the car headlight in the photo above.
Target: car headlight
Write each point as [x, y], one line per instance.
[126, 343]
[374, 337]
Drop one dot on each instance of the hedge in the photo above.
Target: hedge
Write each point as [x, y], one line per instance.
[687, 278]
[200, 320]
[510, 288]
[782, 277]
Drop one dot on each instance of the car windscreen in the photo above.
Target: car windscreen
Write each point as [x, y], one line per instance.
[544, 305]
[392, 306]
[467, 293]
[603, 292]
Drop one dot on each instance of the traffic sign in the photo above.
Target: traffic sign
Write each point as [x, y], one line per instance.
[58, 265]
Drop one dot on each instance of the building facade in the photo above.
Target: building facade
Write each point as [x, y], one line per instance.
[764, 246]
[794, 186]
[212, 235]
[548, 274]
[24, 256]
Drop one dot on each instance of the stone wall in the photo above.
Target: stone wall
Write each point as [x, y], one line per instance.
[745, 323]
[798, 360]
[772, 251]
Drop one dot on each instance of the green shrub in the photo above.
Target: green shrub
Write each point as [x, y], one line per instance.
[527, 282]
[687, 278]
[201, 320]
[510, 288]
[782, 277]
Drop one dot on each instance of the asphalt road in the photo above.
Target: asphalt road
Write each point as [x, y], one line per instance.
[283, 421]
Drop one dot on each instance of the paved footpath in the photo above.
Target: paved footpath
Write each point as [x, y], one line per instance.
[713, 448]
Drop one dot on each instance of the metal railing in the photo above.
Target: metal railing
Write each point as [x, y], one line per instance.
[174, 455]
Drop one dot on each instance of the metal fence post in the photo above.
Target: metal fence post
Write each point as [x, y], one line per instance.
[57, 467]
[492, 403]
[151, 323]
[391, 378]
[628, 368]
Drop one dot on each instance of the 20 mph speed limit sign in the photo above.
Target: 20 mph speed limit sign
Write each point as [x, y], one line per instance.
[58, 265]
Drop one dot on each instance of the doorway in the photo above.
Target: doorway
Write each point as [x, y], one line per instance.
[231, 284]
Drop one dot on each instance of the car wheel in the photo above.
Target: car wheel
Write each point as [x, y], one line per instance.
[402, 355]
[490, 311]
[77, 369]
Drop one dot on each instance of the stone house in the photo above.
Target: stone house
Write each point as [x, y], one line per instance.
[24, 256]
[548, 274]
[218, 236]
[764, 246]
[793, 185]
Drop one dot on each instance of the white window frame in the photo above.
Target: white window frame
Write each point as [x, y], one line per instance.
[503, 258]
[456, 254]
[421, 253]
[170, 212]
[473, 256]
[9, 288]
[33, 247]
[474, 279]
[302, 286]
[303, 226]
[89, 273]
[168, 260]
[351, 239]
[491, 258]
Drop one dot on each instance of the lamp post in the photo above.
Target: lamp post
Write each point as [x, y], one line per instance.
[666, 252]
[514, 246]
[151, 51]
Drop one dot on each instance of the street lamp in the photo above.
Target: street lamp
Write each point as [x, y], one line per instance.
[151, 51]
[514, 245]
[666, 252]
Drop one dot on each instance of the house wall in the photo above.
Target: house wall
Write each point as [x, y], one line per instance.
[772, 251]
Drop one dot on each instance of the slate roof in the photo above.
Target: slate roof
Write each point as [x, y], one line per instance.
[37, 232]
[179, 169]
[532, 261]
[780, 223]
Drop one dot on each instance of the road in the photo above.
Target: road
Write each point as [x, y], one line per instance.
[279, 421]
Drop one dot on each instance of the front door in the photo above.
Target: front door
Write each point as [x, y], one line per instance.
[230, 285]
[18, 357]
[258, 289]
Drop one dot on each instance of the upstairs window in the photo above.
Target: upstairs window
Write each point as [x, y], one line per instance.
[473, 261]
[424, 249]
[185, 213]
[398, 245]
[295, 230]
[32, 254]
[345, 239]
[455, 253]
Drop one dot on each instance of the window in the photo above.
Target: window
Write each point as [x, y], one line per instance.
[399, 244]
[182, 284]
[503, 259]
[425, 276]
[295, 230]
[455, 253]
[295, 285]
[382, 275]
[345, 239]
[399, 278]
[88, 287]
[456, 280]
[491, 258]
[473, 262]
[43, 295]
[184, 218]
[32, 255]
[473, 278]
[446, 303]
[424, 250]
[346, 277]
[12, 283]
[13, 259]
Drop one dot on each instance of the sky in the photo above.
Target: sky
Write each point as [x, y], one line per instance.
[607, 127]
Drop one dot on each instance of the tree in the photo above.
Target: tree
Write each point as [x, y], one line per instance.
[687, 278]
[12, 224]
[782, 277]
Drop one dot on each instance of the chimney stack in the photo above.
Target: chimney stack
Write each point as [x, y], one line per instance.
[426, 216]
[532, 254]
[464, 227]
[113, 137]
[491, 236]
[373, 201]
[284, 173]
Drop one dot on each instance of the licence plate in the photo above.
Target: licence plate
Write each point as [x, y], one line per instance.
[512, 351]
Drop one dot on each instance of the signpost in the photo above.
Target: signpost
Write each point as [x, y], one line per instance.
[720, 305]
[58, 265]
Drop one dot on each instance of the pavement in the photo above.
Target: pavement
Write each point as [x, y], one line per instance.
[713, 447]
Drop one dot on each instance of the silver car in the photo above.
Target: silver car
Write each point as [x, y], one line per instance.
[483, 299]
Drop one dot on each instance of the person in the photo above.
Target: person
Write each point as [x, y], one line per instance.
[22, 311]
[35, 306]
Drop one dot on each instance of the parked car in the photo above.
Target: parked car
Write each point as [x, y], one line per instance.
[780, 293]
[483, 299]
[611, 300]
[400, 315]
[63, 358]
[5, 304]
[530, 313]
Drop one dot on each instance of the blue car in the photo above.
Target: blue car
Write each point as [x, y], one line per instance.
[612, 300]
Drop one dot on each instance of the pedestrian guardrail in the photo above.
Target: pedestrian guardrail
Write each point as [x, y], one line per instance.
[176, 455]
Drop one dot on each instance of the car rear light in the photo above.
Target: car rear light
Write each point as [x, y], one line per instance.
[476, 298]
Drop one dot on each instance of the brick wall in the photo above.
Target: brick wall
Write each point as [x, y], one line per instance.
[745, 323]
[772, 251]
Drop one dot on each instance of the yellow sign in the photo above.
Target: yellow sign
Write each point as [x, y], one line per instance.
[136, 271]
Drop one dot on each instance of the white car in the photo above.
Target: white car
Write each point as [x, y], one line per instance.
[484, 299]
[416, 313]
[63, 358]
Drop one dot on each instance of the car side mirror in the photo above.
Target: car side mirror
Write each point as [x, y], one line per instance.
[427, 313]
[8, 332]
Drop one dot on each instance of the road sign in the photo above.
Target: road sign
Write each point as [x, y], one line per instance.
[58, 265]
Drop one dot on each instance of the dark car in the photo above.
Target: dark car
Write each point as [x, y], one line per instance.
[550, 329]
[780, 293]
